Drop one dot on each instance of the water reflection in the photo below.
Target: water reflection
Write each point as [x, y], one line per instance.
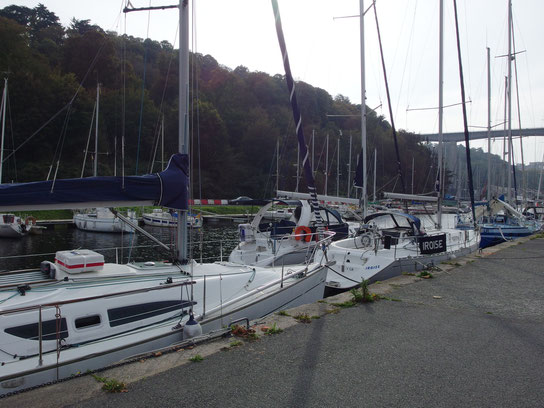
[29, 251]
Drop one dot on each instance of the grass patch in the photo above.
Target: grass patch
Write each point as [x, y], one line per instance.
[241, 331]
[425, 275]
[47, 214]
[361, 294]
[111, 384]
[332, 311]
[273, 330]
[382, 297]
[196, 358]
[236, 343]
[316, 317]
[322, 301]
[283, 313]
[344, 305]
[303, 318]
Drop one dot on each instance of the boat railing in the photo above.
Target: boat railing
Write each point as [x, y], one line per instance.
[217, 308]
[317, 238]
[58, 304]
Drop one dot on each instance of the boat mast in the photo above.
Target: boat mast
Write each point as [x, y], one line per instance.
[338, 167]
[95, 165]
[349, 166]
[183, 114]
[364, 197]
[375, 165]
[488, 125]
[440, 109]
[509, 120]
[326, 166]
[4, 103]
[277, 165]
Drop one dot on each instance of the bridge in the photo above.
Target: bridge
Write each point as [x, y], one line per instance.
[481, 134]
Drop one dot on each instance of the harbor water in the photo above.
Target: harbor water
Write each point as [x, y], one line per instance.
[211, 243]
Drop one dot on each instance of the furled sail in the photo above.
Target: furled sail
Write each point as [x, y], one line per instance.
[168, 188]
[307, 167]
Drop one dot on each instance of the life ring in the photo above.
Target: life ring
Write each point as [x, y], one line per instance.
[30, 220]
[302, 232]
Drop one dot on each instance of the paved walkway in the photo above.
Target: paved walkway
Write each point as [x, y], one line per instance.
[471, 337]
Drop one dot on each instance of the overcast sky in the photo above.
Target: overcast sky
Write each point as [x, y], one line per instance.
[325, 52]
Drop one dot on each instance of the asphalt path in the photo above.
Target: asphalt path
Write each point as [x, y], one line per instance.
[470, 337]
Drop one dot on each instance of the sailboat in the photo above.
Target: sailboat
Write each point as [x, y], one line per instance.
[498, 220]
[101, 219]
[391, 242]
[11, 225]
[287, 241]
[80, 313]
[160, 218]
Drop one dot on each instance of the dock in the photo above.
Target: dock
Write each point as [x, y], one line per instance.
[207, 219]
[473, 335]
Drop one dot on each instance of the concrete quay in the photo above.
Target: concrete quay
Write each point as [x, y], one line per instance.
[472, 336]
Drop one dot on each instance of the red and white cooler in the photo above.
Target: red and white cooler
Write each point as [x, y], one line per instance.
[78, 261]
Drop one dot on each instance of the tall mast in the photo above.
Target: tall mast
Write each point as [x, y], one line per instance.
[488, 125]
[95, 165]
[183, 113]
[298, 167]
[363, 102]
[375, 165]
[440, 108]
[277, 165]
[509, 120]
[4, 103]
[349, 167]
[338, 168]
[327, 166]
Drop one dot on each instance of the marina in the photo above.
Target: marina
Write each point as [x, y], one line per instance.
[129, 278]
[469, 336]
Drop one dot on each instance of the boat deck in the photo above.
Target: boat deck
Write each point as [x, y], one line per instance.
[16, 278]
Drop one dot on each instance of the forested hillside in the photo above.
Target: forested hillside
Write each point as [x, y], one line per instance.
[237, 115]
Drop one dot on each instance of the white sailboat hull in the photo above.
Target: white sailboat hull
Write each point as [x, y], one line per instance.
[223, 294]
[355, 262]
[101, 222]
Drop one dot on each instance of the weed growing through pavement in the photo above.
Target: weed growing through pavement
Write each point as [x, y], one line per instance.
[303, 318]
[425, 275]
[111, 384]
[283, 313]
[196, 358]
[273, 330]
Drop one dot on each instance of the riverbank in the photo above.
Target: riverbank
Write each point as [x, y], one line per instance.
[471, 336]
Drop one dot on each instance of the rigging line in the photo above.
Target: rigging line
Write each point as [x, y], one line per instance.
[67, 106]
[123, 107]
[523, 180]
[163, 96]
[88, 140]
[445, 106]
[465, 124]
[399, 166]
[140, 122]
[12, 134]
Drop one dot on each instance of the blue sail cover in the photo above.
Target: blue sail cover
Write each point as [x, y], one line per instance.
[168, 188]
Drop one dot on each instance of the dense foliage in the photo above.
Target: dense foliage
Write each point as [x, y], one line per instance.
[238, 116]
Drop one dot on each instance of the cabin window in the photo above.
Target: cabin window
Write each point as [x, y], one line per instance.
[133, 313]
[87, 321]
[31, 332]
